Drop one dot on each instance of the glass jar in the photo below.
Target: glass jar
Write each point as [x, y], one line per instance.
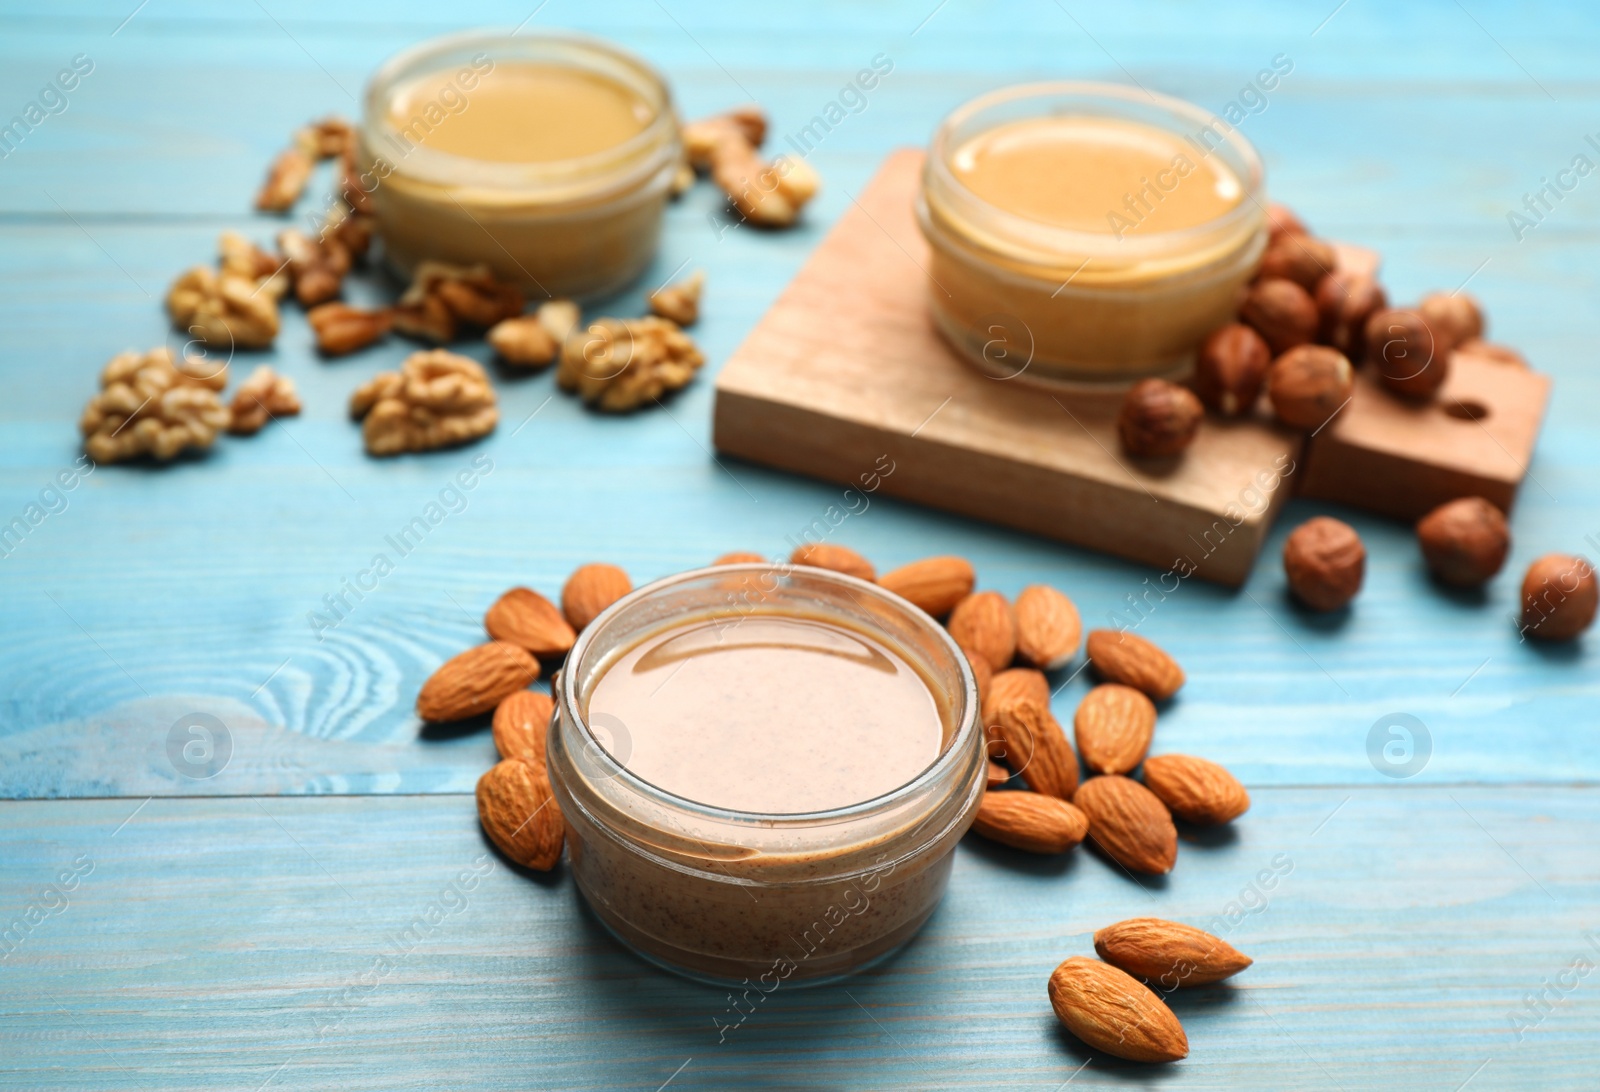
[1014, 294]
[578, 226]
[730, 896]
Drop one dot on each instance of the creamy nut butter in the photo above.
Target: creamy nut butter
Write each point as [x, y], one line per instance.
[764, 771]
[1085, 232]
[548, 157]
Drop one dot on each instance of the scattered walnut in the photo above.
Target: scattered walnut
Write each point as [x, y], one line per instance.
[680, 302]
[150, 405]
[443, 296]
[223, 310]
[330, 138]
[316, 266]
[240, 257]
[766, 194]
[700, 138]
[263, 396]
[351, 190]
[560, 317]
[619, 365]
[286, 181]
[342, 329]
[352, 229]
[1325, 562]
[682, 180]
[436, 399]
[524, 341]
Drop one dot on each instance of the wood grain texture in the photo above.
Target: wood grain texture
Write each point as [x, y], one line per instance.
[847, 371]
[1400, 944]
[213, 943]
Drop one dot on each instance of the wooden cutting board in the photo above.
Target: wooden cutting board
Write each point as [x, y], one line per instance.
[846, 375]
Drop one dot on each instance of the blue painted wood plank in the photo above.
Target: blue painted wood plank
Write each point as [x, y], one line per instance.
[212, 943]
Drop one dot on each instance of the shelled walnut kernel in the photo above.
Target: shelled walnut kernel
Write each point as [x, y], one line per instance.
[263, 396]
[620, 364]
[436, 399]
[149, 404]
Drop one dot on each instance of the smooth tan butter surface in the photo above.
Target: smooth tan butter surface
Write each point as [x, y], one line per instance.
[773, 714]
[522, 113]
[1096, 175]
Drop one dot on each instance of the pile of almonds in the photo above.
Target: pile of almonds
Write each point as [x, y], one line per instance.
[1304, 325]
[1107, 1006]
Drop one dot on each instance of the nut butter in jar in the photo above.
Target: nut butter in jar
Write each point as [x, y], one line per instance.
[1087, 233]
[547, 156]
[764, 771]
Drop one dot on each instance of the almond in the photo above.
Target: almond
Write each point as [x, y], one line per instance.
[1119, 656]
[1129, 823]
[520, 815]
[524, 617]
[982, 675]
[1111, 1011]
[1113, 726]
[1169, 953]
[1012, 684]
[591, 589]
[521, 722]
[1030, 821]
[936, 584]
[984, 623]
[996, 776]
[1033, 745]
[1048, 627]
[739, 557]
[475, 681]
[1194, 789]
[839, 559]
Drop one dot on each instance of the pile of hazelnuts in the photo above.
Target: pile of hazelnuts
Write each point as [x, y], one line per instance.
[1302, 322]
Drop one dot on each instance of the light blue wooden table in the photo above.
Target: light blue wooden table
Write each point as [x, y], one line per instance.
[256, 929]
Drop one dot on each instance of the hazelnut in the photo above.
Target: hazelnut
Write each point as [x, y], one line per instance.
[1309, 384]
[1324, 560]
[1345, 301]
[1464, 541]
[1281, 311]
[1281, 221]
[1158, 418]
[1402, 347]
[1230, 369]
[1298, 258]
[1454, 317]
[1558, 597]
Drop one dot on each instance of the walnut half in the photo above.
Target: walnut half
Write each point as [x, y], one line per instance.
[150, 405]
[436, 399]
[619, 365]
[263, 396]
[224, 310]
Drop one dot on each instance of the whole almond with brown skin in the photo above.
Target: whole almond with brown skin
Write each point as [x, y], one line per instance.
[1230, 368]
[1559, 597]
[1309, 384]
[839, 559]
[1325, 562]
[1195, 790]
[1049, 629]
[1464, 541]
[935, 584]
[982, 675]
[1129, 823]
[1112, 1011]
[996, 777]
[1168, 953]
[739, 557]
[1281, 311]
[591, 589]
[1008, 686]
[1298, 258]
[521, 723]
[475, 681]
[1113, 727]
[524, 617]
[520, 815]
[1127, 658]
[1030, 821]
[983, 622]
[1034, 745]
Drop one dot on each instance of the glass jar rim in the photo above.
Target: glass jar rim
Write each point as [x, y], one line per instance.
[1028, 234]
[447, 167]
[968, 719]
